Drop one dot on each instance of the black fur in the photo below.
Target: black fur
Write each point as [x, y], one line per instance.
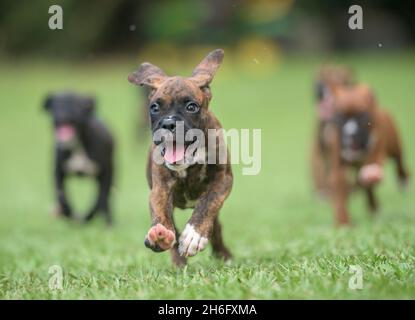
[92, 138]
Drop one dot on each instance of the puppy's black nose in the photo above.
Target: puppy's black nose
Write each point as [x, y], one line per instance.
[169, 123]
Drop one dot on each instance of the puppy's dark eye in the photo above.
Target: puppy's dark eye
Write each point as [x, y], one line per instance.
[154, 108]
[192, 107]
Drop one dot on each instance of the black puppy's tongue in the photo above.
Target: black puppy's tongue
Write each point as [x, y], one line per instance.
[65, 132]
[174, 153]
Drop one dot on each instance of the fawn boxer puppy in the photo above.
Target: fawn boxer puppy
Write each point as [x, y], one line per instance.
[328, 77]
[359, 136]
[83, 147]
[181, 104]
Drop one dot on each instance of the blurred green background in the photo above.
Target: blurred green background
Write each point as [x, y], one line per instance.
[95, 28]
[283, 239]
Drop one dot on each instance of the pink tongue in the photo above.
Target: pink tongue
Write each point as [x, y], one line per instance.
[65, 132]
[174, 154]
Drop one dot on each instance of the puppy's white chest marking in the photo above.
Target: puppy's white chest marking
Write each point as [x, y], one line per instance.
[350, 155]
[180, 169]
[182, 173]
[202, 174]
[79, 162]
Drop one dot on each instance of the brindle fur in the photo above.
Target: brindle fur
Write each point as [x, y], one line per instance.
[208, 185]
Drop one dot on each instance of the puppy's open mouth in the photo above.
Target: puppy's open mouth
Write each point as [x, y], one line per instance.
[65, 133]
[174, 153]
[177, 154]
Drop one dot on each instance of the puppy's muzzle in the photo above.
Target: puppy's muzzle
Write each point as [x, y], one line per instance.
[169, 123]
[167, 129]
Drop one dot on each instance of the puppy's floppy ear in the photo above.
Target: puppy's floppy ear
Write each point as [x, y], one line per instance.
[349, 76]
[368, 93]
[147, 75]
[89, 104]
[203, 74]
[47, 103]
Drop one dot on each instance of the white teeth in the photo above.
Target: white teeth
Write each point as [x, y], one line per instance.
[191, 242]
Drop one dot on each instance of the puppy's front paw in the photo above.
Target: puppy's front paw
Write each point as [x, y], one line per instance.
[370, 174]
[191, 241]
[60, 212]
[159, 238]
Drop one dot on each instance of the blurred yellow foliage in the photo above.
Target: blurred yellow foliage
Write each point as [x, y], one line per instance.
[263, 11]
[258, 56]
[255, 55]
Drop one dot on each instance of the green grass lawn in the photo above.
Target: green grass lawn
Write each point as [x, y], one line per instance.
[283, 239]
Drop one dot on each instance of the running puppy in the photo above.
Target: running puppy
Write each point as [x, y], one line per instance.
[83, 147]
[183, 178]
[359, 138]
[329, 76]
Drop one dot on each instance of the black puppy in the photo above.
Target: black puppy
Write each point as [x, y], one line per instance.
[84, 147]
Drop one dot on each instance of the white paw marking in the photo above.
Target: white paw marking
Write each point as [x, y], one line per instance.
[191, 242]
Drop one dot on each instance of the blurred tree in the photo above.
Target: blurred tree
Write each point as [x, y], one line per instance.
[109, 26]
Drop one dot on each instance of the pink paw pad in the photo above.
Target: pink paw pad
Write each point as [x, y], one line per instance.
[370, 174]
[159, 238]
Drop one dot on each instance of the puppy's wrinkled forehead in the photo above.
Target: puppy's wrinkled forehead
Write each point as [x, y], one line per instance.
[178, 89]
[336, 75]
[359, 98]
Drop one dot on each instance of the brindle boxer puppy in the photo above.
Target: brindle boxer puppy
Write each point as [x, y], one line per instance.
[327, 77]
[361, 136]
[183, 184]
